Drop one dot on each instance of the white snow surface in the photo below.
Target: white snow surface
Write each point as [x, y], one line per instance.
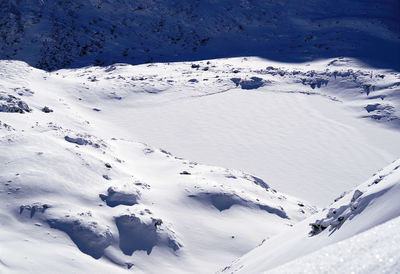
[82, 192]
[283, 123]
[370, 204]
[374, 251]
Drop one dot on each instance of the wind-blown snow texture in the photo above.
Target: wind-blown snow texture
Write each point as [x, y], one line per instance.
[58, 34]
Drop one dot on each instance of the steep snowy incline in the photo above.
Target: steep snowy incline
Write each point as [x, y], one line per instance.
[59, 34]
[76, 200]
[374, 251]
[374, 202]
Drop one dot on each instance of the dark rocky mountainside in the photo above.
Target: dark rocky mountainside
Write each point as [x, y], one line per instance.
[57, 34]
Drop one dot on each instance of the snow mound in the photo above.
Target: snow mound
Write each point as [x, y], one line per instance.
[253, 83]
[224, 201]
[115, 197]
[136, 235]
[88, 237]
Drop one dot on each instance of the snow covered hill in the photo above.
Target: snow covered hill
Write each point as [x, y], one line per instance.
[67, 189]
[82, 192]
[58, 34]
[369, 205]
[126, 203]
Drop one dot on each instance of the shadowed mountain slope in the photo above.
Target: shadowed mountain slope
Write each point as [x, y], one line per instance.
[58, 34]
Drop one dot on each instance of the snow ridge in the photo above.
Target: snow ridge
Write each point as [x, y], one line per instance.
[367, 207]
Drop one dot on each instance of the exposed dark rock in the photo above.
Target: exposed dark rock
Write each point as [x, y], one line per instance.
[10, 103]
[47, 109]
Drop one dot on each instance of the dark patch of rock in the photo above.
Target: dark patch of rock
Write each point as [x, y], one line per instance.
[46, 109]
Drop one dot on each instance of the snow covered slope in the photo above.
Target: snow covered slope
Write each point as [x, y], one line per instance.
[296, 125]
[75, 199]
[58, 34]
[162, 167]
[374, 251]
[127, 204]
[369, 205]
[276, 117]
[80, 187]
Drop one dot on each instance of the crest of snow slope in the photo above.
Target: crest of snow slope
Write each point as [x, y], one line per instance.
[372, 203]
[297, 125]
[59, 34]
[374, 251]
[76, 200]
